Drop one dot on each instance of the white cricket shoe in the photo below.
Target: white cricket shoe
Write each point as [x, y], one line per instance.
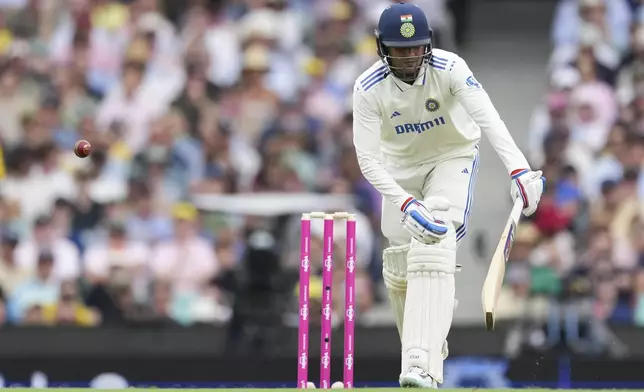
[417, 378]
[444, 354]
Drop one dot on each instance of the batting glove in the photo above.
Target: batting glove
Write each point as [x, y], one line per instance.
[529, 186]
[420, 220]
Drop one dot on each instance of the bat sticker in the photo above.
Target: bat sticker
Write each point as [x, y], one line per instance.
[509, 241]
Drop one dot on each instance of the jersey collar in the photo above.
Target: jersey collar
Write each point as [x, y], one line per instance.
[420, 80]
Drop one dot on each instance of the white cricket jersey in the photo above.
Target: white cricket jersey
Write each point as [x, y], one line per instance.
[439, 117]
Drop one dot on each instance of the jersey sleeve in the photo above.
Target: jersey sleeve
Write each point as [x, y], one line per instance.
[366, 139]
[477, 103]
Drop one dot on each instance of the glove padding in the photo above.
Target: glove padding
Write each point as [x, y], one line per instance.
[421, 222]
[529, 186]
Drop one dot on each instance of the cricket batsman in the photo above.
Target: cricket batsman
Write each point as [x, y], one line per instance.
[418, 114]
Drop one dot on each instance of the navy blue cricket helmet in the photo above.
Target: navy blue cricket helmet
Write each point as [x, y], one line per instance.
[403, 25]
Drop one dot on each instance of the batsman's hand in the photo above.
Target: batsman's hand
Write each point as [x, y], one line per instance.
[420, 219]
[528, 186]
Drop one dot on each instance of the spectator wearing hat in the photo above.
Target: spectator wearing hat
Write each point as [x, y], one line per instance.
[188, 263]
[262, 26]
[252, 106]
[187, 260]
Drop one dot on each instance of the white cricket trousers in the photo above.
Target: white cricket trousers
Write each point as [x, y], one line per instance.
[453, 179]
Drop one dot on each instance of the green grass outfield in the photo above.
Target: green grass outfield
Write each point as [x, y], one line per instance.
[361, 389]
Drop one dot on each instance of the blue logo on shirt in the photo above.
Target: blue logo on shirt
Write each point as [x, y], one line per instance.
[472, 82]
[419, 127]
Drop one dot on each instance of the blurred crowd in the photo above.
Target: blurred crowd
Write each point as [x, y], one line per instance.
[579, 263]
[179, 98]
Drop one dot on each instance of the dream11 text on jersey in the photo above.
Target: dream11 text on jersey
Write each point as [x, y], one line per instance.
[419, 127]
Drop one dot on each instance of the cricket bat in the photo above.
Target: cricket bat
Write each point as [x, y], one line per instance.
[496, 272]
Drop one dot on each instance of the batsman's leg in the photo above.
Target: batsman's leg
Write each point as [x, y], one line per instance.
[395, 267]
[394, 260]
[394, 272]
[429, 308]
[431, 270]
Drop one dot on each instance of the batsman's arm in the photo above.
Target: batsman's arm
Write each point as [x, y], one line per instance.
[366, 140]
[479, 106]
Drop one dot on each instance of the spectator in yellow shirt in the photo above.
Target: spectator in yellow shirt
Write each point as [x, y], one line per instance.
[69, 310]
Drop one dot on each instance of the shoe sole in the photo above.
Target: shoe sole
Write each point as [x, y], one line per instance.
[409, 384]
[412, 382]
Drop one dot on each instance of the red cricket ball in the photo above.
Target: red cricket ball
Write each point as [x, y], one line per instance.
[82, 148]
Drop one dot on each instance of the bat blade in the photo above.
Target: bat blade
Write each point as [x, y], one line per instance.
[496, 271]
